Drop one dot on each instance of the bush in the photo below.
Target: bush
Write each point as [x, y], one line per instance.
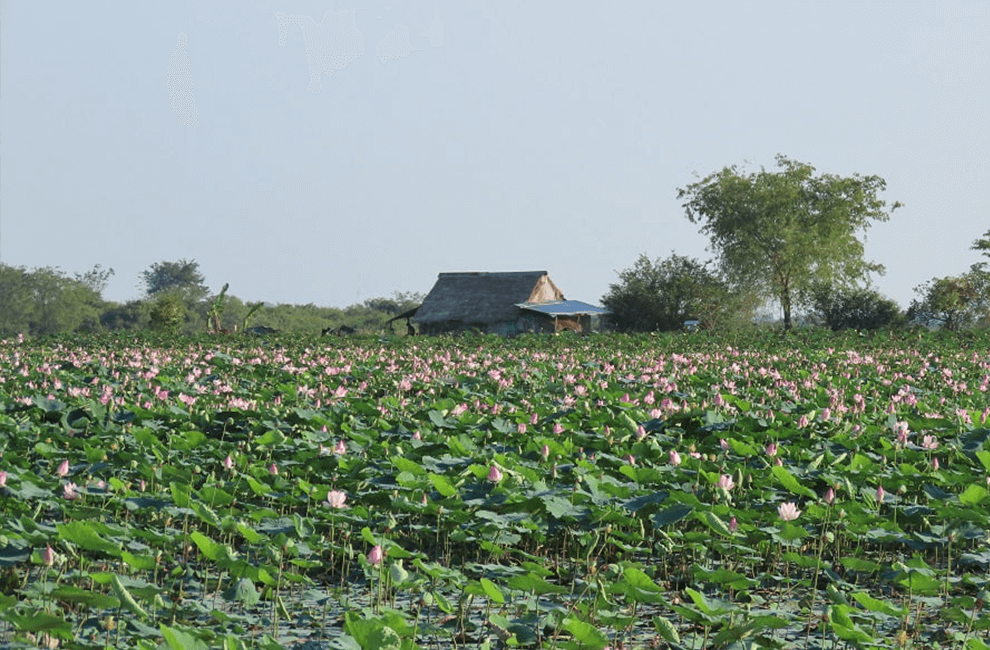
[661, 295]
[855, 308]
[169, 314]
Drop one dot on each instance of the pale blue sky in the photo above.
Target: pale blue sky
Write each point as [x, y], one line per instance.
[454, 135]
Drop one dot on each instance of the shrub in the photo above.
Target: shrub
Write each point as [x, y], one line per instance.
[169, 314]
[842, 308]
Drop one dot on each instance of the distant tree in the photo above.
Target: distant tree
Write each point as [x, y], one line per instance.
[856, 308]
[46, 288]
[399, 303]
[661, 294]
[983, 245]
[979, 276]
[182, 276]
[16, 302]
[956, 302]
[783, 232]
[132, 315]
[949, 303]
[97, 279]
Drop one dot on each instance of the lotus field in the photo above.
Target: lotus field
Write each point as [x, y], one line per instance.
[803, 491]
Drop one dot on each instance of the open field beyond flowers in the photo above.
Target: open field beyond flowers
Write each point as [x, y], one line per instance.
[805, 491]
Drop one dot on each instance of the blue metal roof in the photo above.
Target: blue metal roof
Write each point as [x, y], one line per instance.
[563, 308]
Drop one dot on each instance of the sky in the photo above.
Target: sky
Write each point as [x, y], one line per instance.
[420, 137]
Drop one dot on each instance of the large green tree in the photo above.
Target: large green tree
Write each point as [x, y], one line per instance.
[784, 232]
[182, 276]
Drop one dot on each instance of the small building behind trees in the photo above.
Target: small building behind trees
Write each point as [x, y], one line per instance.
[504, 303]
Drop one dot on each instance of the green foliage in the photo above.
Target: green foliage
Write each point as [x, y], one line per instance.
[956, 302]
[855, 308]
[952, 303]
[400, 302]
[252, 310]
[168, 314]
[132, 315]
[15, 297]
[182, 276]
[982, 244]
[121, 519]
[216, 310]
[783, 232]
[97, 278]
[45, 301]
[660, 295]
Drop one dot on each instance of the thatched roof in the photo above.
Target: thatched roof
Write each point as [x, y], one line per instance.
[479, 298]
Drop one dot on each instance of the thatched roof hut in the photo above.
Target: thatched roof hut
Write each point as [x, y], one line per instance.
[485, 301]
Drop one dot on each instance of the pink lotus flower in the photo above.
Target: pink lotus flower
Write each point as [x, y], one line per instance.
[494, 474]
[273, 469]
[788, 511]
[545, 452]
[631, 459]
[336, 499]
[674, 457]
[724, 444]
[880, 494]
[771, 449]
[522, 428]
[929, 442]
[228, 463]
[640, 432]
[63, 469]
[3, 479]
[733, 525]
[558, 428]
[48, 556]
[935, 464]
[69, 491]
[901, 431]
[534, 418]
[725, 482]
[375, 556]
[340, 449]
[830, 496]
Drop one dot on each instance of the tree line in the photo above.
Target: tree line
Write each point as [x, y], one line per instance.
[788, 237]
[792, 238]
[176, 299]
